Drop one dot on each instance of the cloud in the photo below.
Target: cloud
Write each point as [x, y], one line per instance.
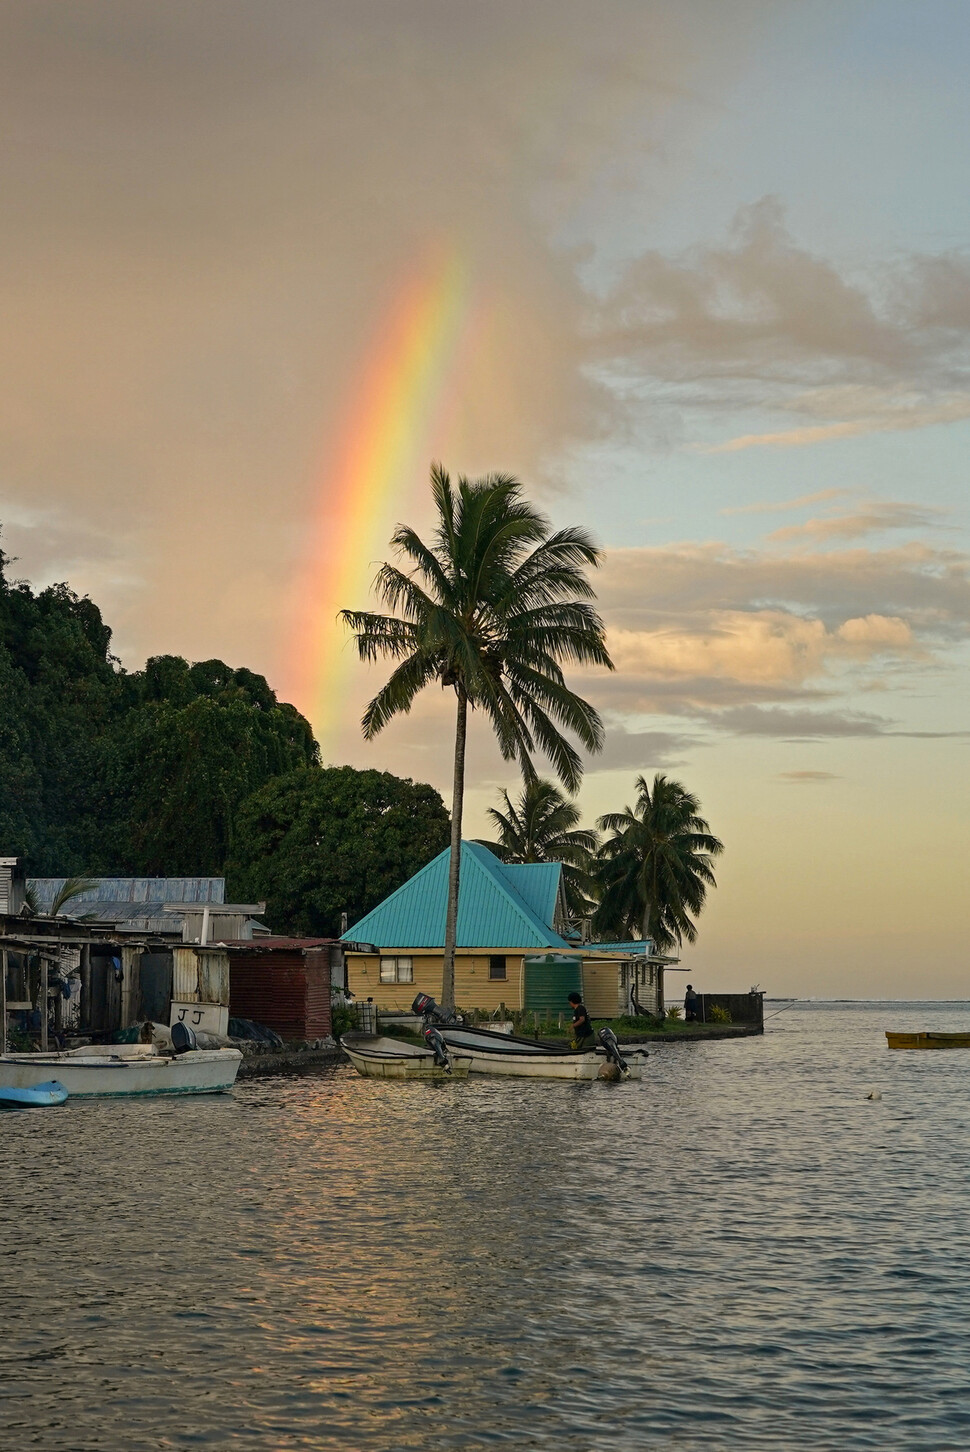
[767, 643]
[640, 750]
[49, 544]
[768, 507]
[800, 725]
[759, 304]
[891, 418]
[650, 588]
[759, 324]
[207, 223]
[757, 647]
[874, 519]
[808, 777]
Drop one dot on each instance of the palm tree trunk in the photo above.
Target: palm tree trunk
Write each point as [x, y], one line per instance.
[454, 865]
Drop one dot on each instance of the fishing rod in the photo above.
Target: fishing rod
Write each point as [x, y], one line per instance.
[781, 1010]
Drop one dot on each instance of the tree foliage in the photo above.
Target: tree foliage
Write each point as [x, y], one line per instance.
[58, 702]
[543, 826]
[655, 867]
[106, 771]
[318, 842]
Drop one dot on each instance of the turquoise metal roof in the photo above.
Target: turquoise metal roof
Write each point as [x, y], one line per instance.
[537, 884]
[639, 946]
[496, 906]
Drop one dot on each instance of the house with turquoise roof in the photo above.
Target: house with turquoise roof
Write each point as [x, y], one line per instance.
[514, 945]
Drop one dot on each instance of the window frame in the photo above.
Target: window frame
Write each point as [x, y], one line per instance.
[402, 970]
[493, 959]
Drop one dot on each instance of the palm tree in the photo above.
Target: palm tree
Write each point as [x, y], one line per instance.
[655, 869]
[489, 609]
[542, 827]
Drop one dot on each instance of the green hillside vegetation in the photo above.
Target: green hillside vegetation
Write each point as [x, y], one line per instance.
[147, 773]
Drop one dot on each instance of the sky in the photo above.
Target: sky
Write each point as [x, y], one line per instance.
[698, 274]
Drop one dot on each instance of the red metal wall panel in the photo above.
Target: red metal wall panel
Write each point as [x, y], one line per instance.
[285, 988]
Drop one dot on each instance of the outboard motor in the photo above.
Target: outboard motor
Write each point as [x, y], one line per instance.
[183, 1037]
[608, 1039]
[438, 1047]
[425, 1007]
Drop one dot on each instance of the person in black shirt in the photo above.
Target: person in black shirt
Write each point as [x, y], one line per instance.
[582, 1024]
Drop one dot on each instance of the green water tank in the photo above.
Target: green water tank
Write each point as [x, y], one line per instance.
[549, 979]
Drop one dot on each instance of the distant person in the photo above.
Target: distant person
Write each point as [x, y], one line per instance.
[583, 1035]
[691, 1005]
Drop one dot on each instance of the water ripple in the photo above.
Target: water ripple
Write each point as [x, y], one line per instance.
[742, 1251]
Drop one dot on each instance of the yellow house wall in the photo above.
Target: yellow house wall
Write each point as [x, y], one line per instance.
[601, 989]
[473, 987]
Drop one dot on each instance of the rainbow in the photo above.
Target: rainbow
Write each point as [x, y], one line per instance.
[397, 407]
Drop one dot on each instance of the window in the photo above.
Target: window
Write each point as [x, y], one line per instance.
[397, 970]
[496, 966]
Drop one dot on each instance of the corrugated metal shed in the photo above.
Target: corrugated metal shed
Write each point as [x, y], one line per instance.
[134, 890]
[167, 906]
[283, 983]
[200, 975]
[12, 883]
[495, 906]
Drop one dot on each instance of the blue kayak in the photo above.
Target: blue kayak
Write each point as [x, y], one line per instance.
[39, 1097]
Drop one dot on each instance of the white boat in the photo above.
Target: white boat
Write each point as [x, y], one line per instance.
[378, 1057]
[499, 1053]
[124, 1069]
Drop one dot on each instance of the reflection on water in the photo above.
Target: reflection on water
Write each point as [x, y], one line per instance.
[742, 1251]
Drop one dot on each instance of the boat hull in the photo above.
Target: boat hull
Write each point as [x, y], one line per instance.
[101, 1076]
[383, 1058]
[546, 1066]
[520, 1058]
[927, 1041]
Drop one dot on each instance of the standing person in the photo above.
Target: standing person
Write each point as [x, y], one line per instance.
[583, 1035]
[690, 1005]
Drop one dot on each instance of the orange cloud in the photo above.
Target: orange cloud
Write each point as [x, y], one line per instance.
[891, 420]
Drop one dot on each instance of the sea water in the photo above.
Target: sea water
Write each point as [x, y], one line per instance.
[742, 1251]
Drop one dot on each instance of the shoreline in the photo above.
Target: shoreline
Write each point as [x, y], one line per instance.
[293, 1061]
[289, 1061]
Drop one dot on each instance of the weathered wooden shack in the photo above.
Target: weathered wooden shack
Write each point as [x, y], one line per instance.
[94, 982]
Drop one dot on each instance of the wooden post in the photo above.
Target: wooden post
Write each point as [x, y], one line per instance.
[84, 1018]
[3, 1001]
[44, 970]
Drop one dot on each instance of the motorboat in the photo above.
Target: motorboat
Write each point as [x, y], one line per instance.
[501, 1053]
[493, 1053]
[379, 1057]
[927, 1041]
[41, 1096]
[119, 1070]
